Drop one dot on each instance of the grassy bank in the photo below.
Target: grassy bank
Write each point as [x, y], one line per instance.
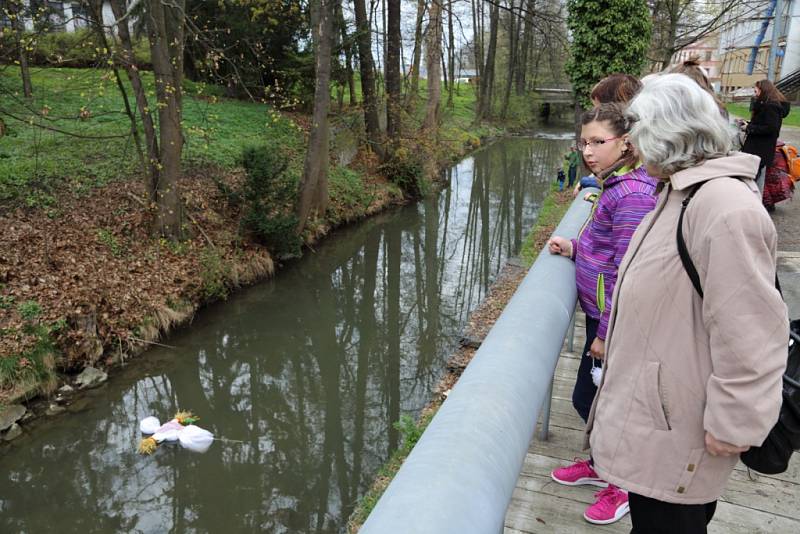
[743, 111]
[82, 280]
[553, 209]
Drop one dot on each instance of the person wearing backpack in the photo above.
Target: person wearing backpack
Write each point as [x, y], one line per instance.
[768, 109]
[689, 382]
[778, 184]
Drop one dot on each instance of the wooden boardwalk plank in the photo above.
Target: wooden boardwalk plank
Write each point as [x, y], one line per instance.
[751, 503]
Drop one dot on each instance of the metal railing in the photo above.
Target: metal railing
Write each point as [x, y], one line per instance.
[460, 476]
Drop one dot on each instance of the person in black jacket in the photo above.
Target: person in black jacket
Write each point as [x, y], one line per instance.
[768, 109]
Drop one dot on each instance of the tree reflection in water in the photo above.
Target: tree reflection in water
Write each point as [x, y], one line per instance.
[302, 376]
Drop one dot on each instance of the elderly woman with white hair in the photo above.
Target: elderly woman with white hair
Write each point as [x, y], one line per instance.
[691, 379]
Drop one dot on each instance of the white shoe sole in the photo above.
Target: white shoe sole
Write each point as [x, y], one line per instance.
[582, 482]
[621, 511]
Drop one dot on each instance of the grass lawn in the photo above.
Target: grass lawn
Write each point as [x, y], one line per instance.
[75, 135]
[743, 111]
[84, 153]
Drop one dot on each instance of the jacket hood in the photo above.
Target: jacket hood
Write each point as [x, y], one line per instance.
[785, 107]
[638, 174]
[734, 165]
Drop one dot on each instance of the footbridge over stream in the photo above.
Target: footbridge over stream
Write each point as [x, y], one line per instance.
[482, 467]
[555, 94]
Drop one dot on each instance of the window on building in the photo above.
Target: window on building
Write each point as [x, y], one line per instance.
[47, 16]
[5, 22]
[708, 55]
[79, 17]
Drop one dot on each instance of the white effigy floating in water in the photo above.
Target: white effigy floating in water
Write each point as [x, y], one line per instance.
[180, 428]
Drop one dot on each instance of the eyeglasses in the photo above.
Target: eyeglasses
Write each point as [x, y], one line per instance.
[594, 143]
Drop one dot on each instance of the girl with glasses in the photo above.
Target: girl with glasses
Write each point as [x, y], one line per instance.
[627, 195]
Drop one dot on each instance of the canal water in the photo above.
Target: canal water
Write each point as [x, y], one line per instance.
[301, 378]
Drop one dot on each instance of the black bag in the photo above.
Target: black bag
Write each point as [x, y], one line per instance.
[773, 456]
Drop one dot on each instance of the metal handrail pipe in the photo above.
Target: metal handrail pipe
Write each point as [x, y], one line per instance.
[461, 474]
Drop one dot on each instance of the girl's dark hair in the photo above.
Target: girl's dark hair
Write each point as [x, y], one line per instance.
[769, 93]
[616, 87]
[613, 113]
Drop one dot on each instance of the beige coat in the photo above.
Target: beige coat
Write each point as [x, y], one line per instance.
[678, 365]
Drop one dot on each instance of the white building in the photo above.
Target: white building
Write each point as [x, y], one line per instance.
[59, 16]
[746, 38]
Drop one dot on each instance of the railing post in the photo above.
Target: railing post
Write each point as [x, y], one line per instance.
[544, 433]
[461, 474]
[571, 335]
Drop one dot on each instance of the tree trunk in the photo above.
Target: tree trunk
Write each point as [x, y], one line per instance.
[478, 51]
[96, 17]
[417, 57]
[151, 142]
[487, 80]
[393, 103]
[165, 28]
[522, 69]
[16, 11]
[513, 39]
[451, 53]
[367, 78]
[314, 182]
[433, 62]
[348, 53]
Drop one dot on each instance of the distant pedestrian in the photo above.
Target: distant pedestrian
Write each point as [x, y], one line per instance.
[690, 380]
[778, 185]
[560, 178]
[627, 195]
[768, 109]
[573, 160]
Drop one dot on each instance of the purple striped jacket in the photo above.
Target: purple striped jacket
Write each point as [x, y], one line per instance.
[627, 196]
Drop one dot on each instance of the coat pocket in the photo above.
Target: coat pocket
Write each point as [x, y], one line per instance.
[654, 393]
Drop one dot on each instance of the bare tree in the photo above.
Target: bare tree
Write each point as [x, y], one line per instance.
[487, 77]
[433, 44]
[367, 69]
[451, 53]
[126, 57]
[314, 182]
[16, 11]
[417, 56]
[393, 104]
[165, 28]
[680, 23]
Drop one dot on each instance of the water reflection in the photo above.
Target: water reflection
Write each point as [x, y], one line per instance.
[301, 377]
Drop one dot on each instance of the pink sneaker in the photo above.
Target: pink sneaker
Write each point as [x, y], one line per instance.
[611, 505]
[578, 474]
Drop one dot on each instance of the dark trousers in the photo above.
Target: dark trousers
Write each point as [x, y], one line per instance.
[583, 394]
[650, 516]
[573, 173]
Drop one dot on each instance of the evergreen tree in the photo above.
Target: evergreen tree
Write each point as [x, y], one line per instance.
[607, 36]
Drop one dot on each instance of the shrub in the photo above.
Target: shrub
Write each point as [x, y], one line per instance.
[29, 310]
[349, 196]
[268, 200]
[405, 169]
[81, 48]
[215, 273]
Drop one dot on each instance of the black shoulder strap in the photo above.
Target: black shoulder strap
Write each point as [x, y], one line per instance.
[683, 252]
